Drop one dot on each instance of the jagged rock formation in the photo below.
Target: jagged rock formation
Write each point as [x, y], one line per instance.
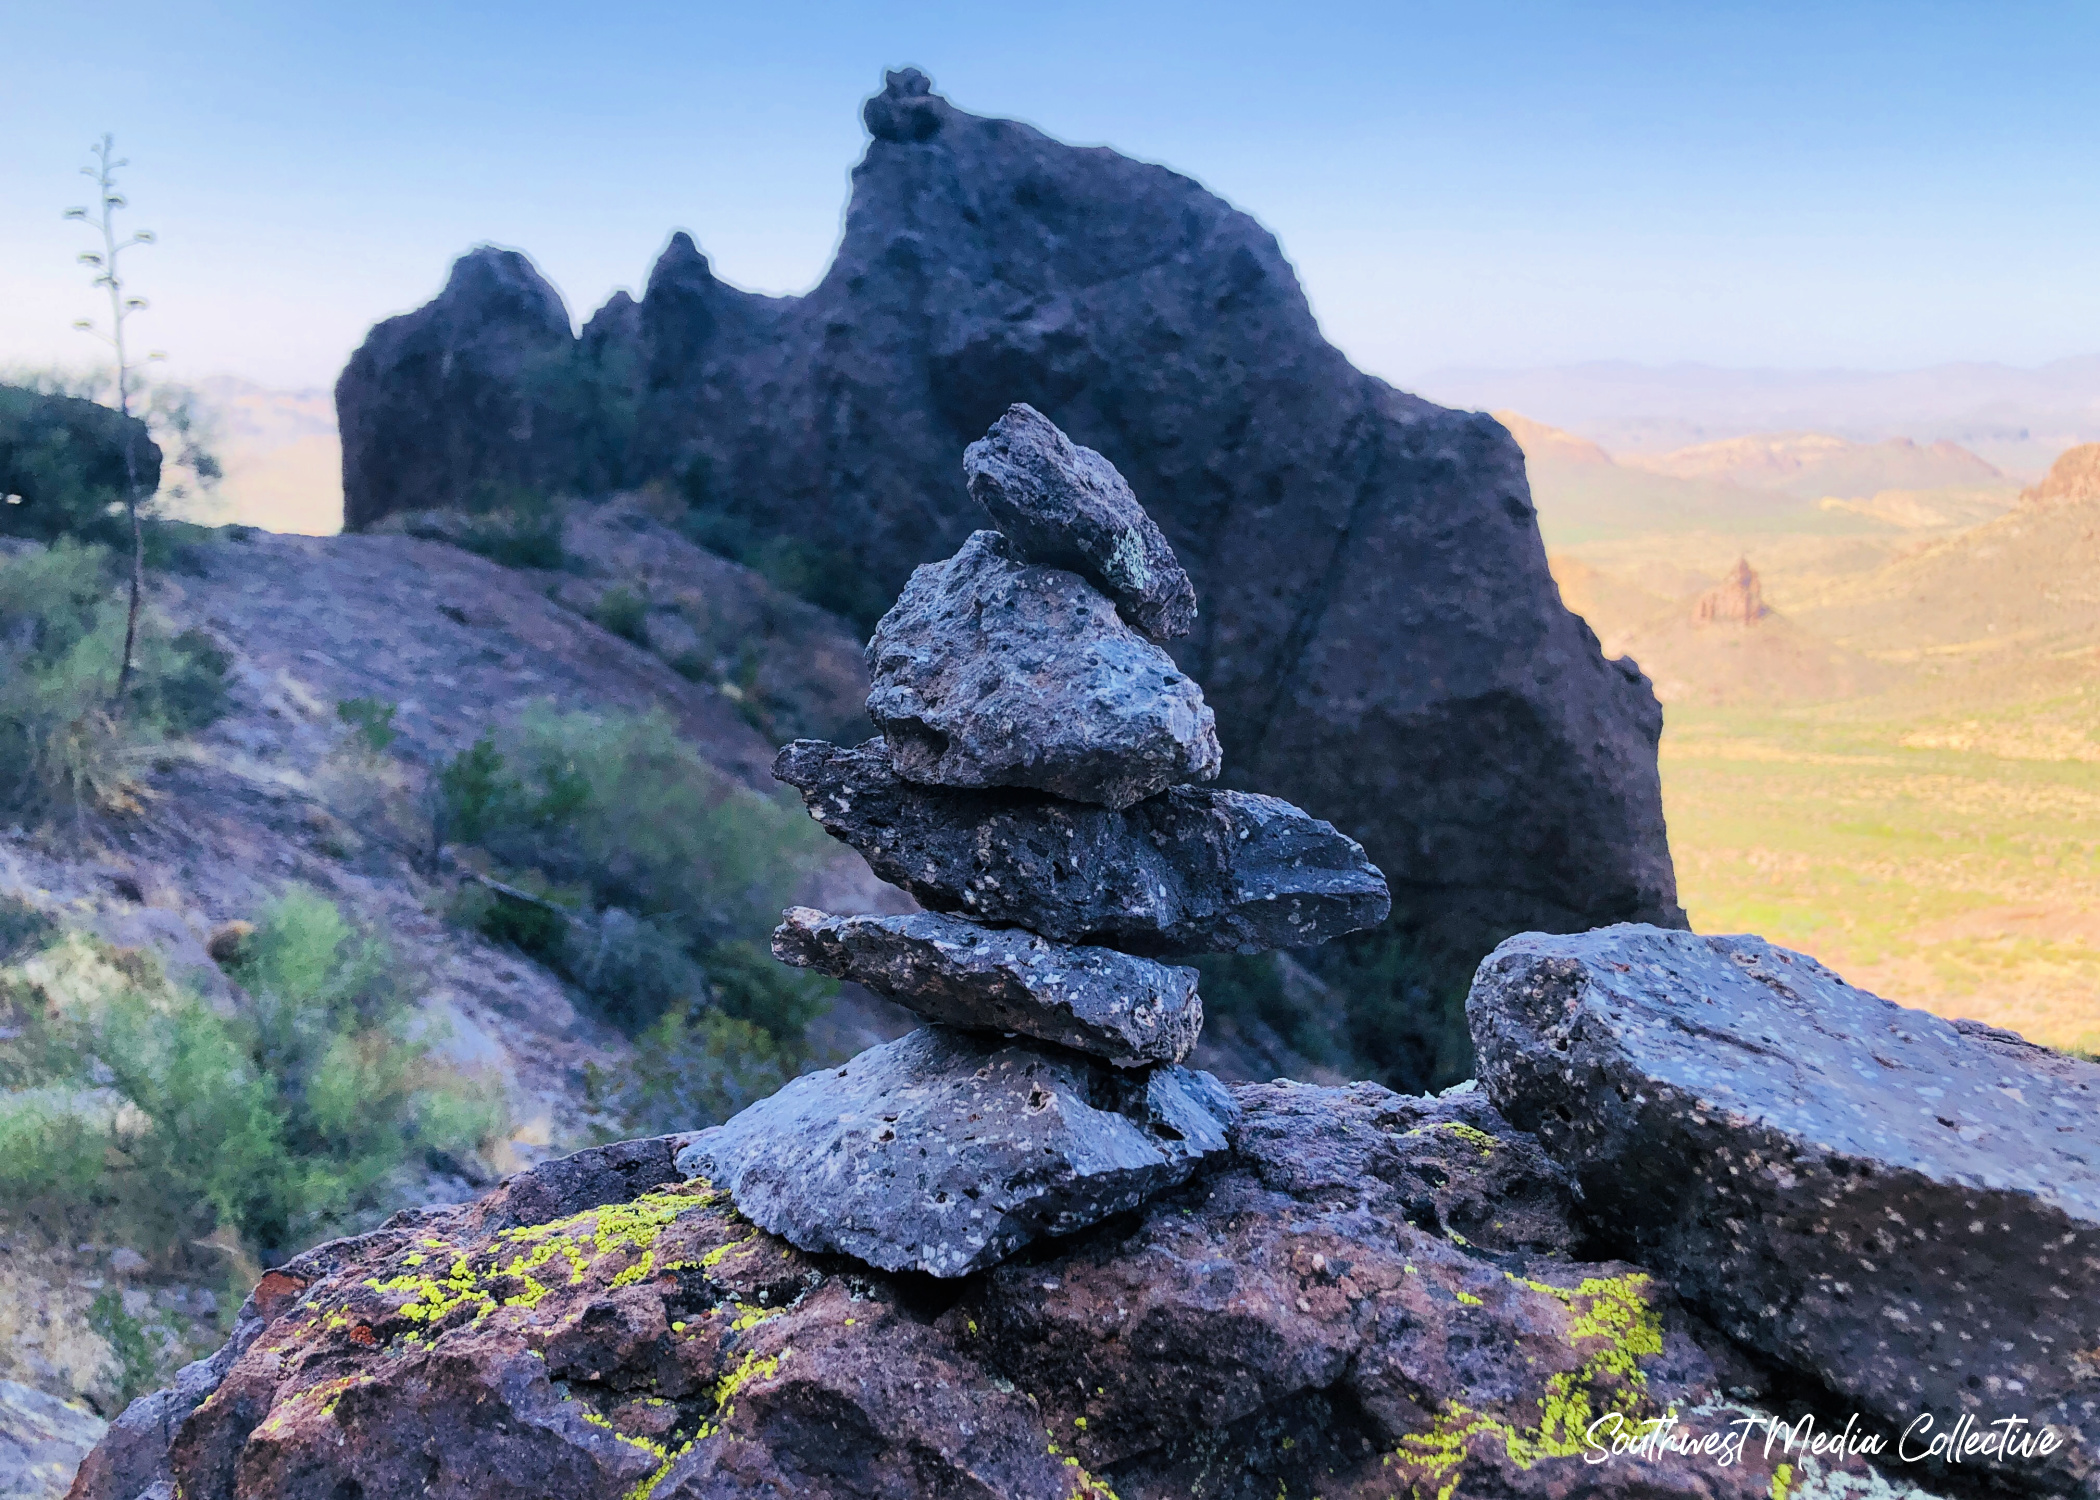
[1738, 599]
[42, 1441]
[951, 1148]
[1905, 1207]
[1379, 638]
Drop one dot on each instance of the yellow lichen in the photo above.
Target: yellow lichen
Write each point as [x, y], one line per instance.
[1782, 1481]
[1479, 1139]
[1611, 1312]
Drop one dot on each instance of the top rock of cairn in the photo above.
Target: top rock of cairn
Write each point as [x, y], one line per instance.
[1030, 783]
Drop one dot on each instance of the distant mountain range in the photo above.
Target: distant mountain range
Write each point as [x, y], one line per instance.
[2017, 420]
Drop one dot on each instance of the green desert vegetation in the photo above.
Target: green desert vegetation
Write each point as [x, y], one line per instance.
[67, 746]
[212, 1137]
[606, 848]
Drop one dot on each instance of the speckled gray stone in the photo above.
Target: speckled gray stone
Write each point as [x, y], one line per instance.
[1905, 1208]
[945, 1151]
[1130, 1011]
[1192, 870]
[1067, 507]
[993, 672]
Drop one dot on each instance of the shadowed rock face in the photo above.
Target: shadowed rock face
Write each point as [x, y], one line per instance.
[1379, 636]
[1907, 1208]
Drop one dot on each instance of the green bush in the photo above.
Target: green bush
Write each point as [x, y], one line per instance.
[65, 745]
[617, 814]
[62, 467]
[146, 1107]
[371, 722]
[691, 1071]
[625, 613]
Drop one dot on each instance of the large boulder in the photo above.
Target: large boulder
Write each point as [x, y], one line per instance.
[1370, 1296]
[1906, 1209]
[42, 1441]
[1379, 635]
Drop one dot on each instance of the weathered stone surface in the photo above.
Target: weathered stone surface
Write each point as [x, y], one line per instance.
[1128, 1010]
[1379, 636]
[1066, 506]
[1281, 1325]
[1193, 870]
[992, 672]
[945, 1151]
[42, 1441]
[1903, 1207]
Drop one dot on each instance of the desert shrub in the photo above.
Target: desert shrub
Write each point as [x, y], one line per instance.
[64, 744]
[625, 613]
[519, 528]
[371, 722]
[691, 1071]
[598, 815]
[130, 1099]
[718, 518]
[62, 466]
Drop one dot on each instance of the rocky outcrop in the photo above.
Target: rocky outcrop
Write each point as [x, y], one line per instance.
[1129, 1011]
[992, 672]
[2074, 477]
[465, 401]
[1902, 1208]
[1379, 636]
[1738, 599]
[1371, 1296]
[1192, 870]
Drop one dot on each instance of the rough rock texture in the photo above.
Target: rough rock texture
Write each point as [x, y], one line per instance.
[1066, 506]
[448, 405]
[945, 1151]
[1192, 870]
[1284, 1324]
[1379, 637]
[1904, 1207]
[992, 672]
[42, 1441]
[1126, 1010]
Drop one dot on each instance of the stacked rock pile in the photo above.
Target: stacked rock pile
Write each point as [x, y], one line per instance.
[1033, 788]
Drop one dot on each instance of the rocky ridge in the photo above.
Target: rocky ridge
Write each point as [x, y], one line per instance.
[948, 1150]
[1380, 639]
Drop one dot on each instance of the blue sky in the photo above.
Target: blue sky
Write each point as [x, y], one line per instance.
[1488, 184]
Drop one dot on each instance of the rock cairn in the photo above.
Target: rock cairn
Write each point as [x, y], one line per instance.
[1033, 788]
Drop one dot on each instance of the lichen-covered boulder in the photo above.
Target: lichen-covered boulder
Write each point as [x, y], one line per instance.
[945, 1151]
[1130, 1011]
[1066, 506]
[993, 672]
[1192, 870]
[1309, 1318]
[1902, 1207]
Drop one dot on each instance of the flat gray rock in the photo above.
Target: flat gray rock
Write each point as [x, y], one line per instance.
[1192, 870]
[1130, 1011]
[993, 672]
[945, 1151]
[1905, 1208]
[1066, 507]
[42, 1441]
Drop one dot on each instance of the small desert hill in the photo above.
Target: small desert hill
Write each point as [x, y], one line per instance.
[1722, 646]
[2019, 594]
[1812, 465]
[1584, 495]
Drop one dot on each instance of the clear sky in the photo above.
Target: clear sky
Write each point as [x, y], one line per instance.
[1836, 183]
